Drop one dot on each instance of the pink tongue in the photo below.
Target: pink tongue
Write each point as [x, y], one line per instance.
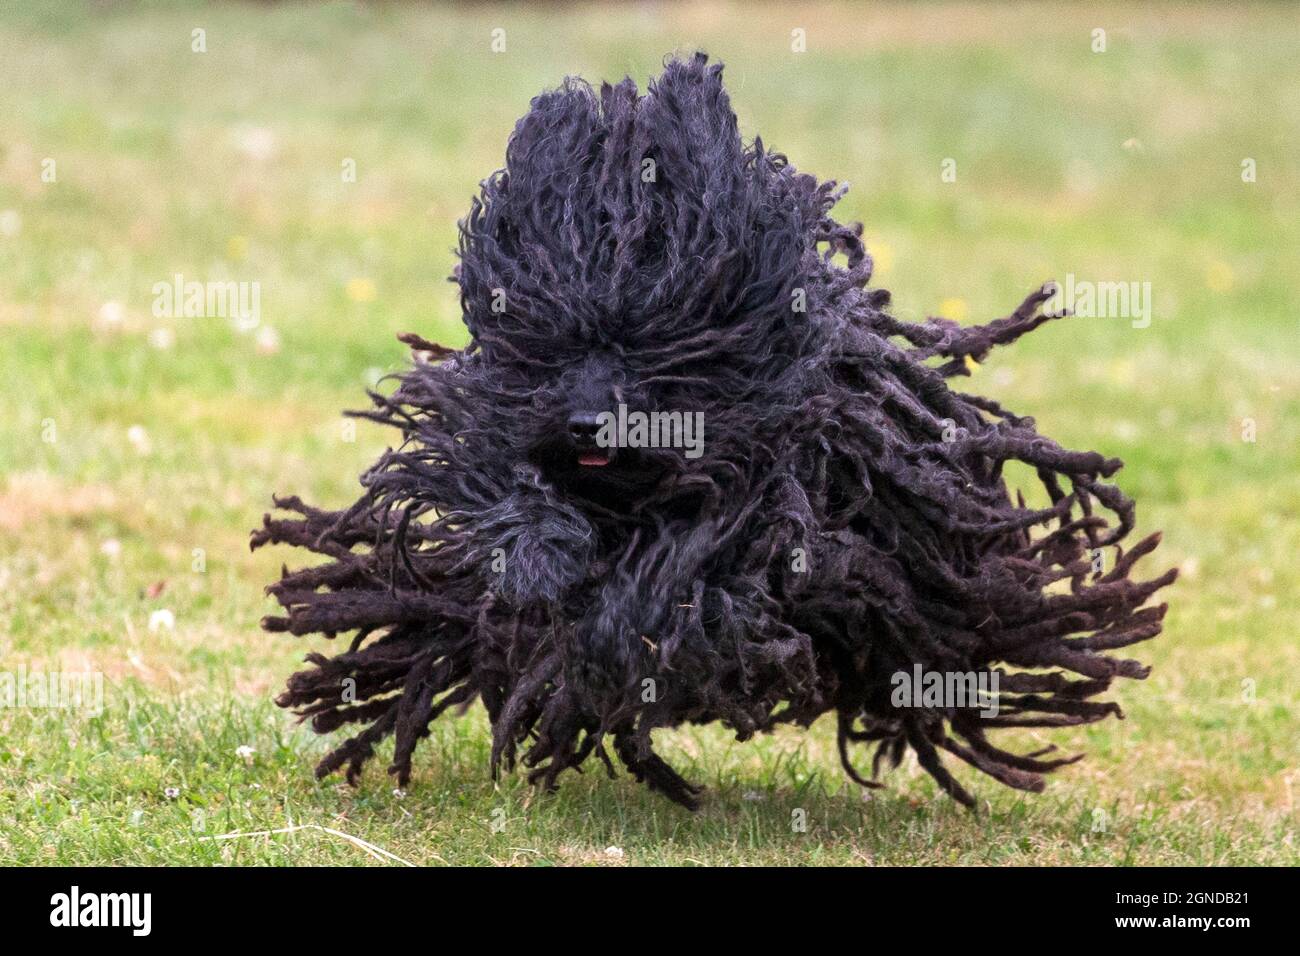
[593, 458]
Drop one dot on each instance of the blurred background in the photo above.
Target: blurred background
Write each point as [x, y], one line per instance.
[325, 151]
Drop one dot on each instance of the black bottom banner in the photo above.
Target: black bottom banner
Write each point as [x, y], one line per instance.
[976, 905]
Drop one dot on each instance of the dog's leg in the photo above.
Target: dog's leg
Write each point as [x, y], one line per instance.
[652, 770]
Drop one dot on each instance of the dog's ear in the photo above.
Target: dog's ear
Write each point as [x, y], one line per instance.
[518, 271]
[556, 138]
[691, 130]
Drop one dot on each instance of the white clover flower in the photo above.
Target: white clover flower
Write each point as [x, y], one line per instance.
[112, 313]
[256, 142]
[138, 436]
[268, 341]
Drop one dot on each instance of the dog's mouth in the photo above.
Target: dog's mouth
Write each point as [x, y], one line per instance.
[612, 477]
[595, 457]
[583, 429]
[564, 456]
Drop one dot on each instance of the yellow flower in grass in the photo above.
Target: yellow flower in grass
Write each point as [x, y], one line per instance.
[954, 309]
[361, 290]
[882, 257]
[1219, 277]
[1122, 371]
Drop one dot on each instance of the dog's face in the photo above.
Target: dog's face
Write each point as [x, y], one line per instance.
[575, 446]
[642, 289]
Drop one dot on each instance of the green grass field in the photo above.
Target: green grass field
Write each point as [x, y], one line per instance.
[128, 441]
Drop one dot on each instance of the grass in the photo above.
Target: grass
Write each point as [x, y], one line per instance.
[1122, 165]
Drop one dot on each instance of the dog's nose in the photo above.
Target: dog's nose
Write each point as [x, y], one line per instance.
[583, 427]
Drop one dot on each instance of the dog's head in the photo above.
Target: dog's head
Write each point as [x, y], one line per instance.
[644, 291]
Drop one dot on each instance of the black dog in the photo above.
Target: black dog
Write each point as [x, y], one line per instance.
[844, 527]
